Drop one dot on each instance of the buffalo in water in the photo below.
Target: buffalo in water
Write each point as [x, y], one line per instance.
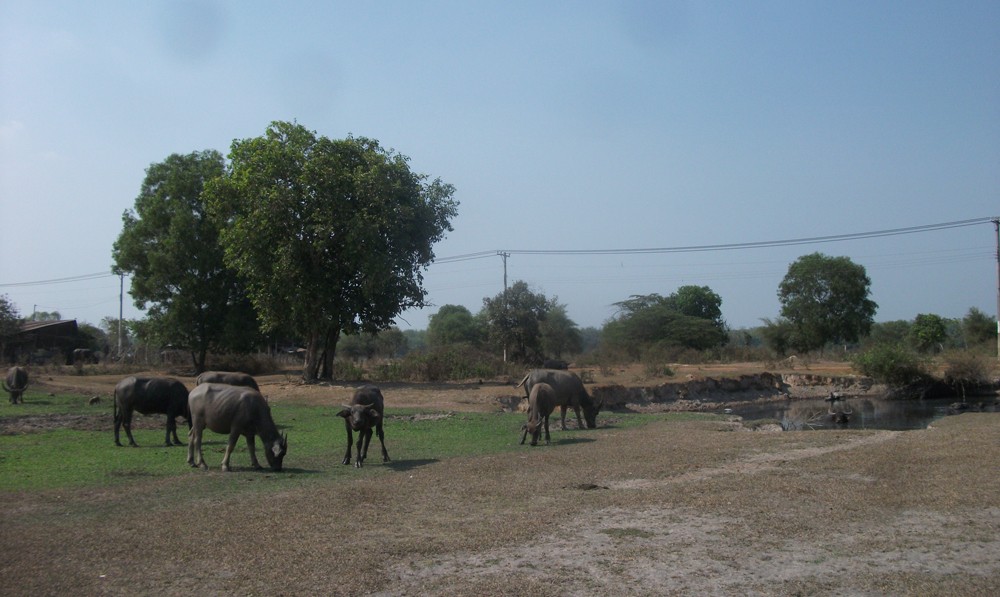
[150, 395]
[569, 392]
[16, 383]
[236, 411]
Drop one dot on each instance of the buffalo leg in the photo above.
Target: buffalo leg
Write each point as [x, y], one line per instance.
[195, 456]
[234, 436]
[127, 424]
[562, 410]
[381, 439]
[524, 433]
[546, 420]
[252, 447]
[350, 443]
[579, 419]
[118, 424]
[364, 438]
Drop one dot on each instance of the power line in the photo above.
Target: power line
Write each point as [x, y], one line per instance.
[80, 278]
[758, 244]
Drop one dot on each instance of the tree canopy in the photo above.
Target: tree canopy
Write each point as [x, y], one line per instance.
[691, 317]
[825, 299]
[513, 322]
[453, 324]
[169, 246]
[330, 236]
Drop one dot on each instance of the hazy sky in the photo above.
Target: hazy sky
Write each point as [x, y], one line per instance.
[564, 126]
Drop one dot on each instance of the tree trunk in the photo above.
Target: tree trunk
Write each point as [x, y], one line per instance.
[313, 361]
[329, 352]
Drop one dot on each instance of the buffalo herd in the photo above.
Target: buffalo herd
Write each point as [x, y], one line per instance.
[231, 403]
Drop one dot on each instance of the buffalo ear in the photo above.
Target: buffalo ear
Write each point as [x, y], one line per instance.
[344, 412]
[374, 413]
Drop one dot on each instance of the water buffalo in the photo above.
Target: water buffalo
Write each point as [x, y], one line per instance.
[15, 384]
[541, 403]
[232, 378]
[569, 392]
[236, 410]
[150, 395]
[365, 411]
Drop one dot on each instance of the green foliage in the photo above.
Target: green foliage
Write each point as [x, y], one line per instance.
[451, 362]
[825, 299]
[513, 322]
[169, 246]
[10, 322]
[889, 332]
[979, 329]
[690, 318]
[329, 235]
[891, 364]
[453, 324]
[560, 334]
[927, 332]
[45, 316]
[388, 344]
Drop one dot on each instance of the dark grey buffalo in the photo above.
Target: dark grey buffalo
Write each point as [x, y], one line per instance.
[541, 403]
[16, 383]
[233, 378]
[569, 391]
[150, 395]
[366, 410]
[236, 411]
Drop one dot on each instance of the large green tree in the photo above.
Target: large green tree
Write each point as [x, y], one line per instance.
[560, 334]
[979, 328]
[691, 317]
[169, 246]
[513, 322]
[330, 236]
[453, 324]
[826, 299]
[10, 324]
[928, 332]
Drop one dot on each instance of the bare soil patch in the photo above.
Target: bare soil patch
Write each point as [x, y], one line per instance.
[668, 508]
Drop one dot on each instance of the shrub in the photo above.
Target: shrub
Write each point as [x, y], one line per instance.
[890, 364]
[964, 369]
[451, 362]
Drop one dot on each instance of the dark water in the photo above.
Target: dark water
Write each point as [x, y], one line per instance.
[862, 413]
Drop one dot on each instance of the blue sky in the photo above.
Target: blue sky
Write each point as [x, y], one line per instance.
[563, 126]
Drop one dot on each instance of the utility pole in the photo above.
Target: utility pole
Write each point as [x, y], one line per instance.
[121, 301]
[996, 224]
[504, 255]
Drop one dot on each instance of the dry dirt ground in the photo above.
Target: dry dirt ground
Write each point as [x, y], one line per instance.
[693, 508]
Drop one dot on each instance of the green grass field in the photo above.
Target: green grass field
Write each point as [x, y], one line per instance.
[58, 457]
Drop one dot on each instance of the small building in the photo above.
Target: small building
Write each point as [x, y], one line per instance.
[42, 342]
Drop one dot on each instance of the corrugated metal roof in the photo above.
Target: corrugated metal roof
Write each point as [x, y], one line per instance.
[32, 326]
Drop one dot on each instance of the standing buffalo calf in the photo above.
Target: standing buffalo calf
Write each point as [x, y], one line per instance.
[232, 378]
[237, 411]
[150, 395]
[541, 403]
[15, 384]
[569, 391]
[365, 411]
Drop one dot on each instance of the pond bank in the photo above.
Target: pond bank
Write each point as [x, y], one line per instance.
[711, 393]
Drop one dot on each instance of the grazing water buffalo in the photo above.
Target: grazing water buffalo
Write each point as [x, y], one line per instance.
[541, 403]
[365, 411]
[232, 378]
[236, 410]
[569, 391]
[15, 384]
[150, 395]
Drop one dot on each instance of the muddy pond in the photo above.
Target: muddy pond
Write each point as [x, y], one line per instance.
[861, 413]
